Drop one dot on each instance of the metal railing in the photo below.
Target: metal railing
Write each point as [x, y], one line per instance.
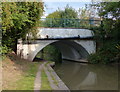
[69, 23]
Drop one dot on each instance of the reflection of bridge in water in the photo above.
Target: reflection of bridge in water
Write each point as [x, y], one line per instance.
[74, 43]
[81, 76]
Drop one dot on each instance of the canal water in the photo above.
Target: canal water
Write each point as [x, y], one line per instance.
[82, 76]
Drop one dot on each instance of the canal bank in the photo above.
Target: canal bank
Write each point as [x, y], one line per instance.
[53, 81]
[76, 76]
[20, 74]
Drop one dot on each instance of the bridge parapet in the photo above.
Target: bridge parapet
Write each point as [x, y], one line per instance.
[64, 33]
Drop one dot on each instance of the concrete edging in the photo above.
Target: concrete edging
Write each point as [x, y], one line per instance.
[61, 84]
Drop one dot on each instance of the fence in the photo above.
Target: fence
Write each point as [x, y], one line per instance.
[69, 23]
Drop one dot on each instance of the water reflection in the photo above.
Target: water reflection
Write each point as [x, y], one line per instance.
[78, 76]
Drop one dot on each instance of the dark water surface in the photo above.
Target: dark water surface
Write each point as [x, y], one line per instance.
[81, 76]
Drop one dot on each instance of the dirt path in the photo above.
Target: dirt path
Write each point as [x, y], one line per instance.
[37, 83]
[55, 82]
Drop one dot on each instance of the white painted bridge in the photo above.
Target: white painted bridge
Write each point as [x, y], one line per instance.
[74, 44]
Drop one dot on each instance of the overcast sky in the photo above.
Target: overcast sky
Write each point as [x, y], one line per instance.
[52, 5]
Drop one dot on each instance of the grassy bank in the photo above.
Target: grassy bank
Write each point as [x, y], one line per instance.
[18, 74]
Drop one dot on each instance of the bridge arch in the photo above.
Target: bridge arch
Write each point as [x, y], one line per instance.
[70, 50]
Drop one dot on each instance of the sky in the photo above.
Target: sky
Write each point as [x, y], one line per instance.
[51, 6]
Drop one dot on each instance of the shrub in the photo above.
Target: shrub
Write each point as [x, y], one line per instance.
[94, 58]
[106, 54]
[4, 50]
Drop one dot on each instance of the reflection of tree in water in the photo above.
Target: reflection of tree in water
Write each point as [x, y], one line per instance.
[72, 75]
[107, 75]
[94, 77]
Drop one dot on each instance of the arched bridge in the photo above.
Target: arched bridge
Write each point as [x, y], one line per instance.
[74, 44]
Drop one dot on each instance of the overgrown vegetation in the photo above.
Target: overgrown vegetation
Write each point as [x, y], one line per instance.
[18, 20]
[106, 54]
[4, 50]
[108, 35]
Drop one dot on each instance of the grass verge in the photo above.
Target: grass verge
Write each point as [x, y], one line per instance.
[27, 80]
[45, 83]
[18, 74]
[50, 71]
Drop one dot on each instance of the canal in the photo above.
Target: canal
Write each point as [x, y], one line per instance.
[82, 76]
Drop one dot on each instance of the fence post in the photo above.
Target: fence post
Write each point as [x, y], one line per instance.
[91, 22]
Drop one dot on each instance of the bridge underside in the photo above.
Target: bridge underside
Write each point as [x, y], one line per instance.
[71, 50]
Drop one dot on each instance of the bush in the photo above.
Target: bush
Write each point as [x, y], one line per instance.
[4, 50]
[94, 58]
[106, 54]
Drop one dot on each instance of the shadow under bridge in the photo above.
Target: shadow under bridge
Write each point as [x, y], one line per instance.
[71, 50]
